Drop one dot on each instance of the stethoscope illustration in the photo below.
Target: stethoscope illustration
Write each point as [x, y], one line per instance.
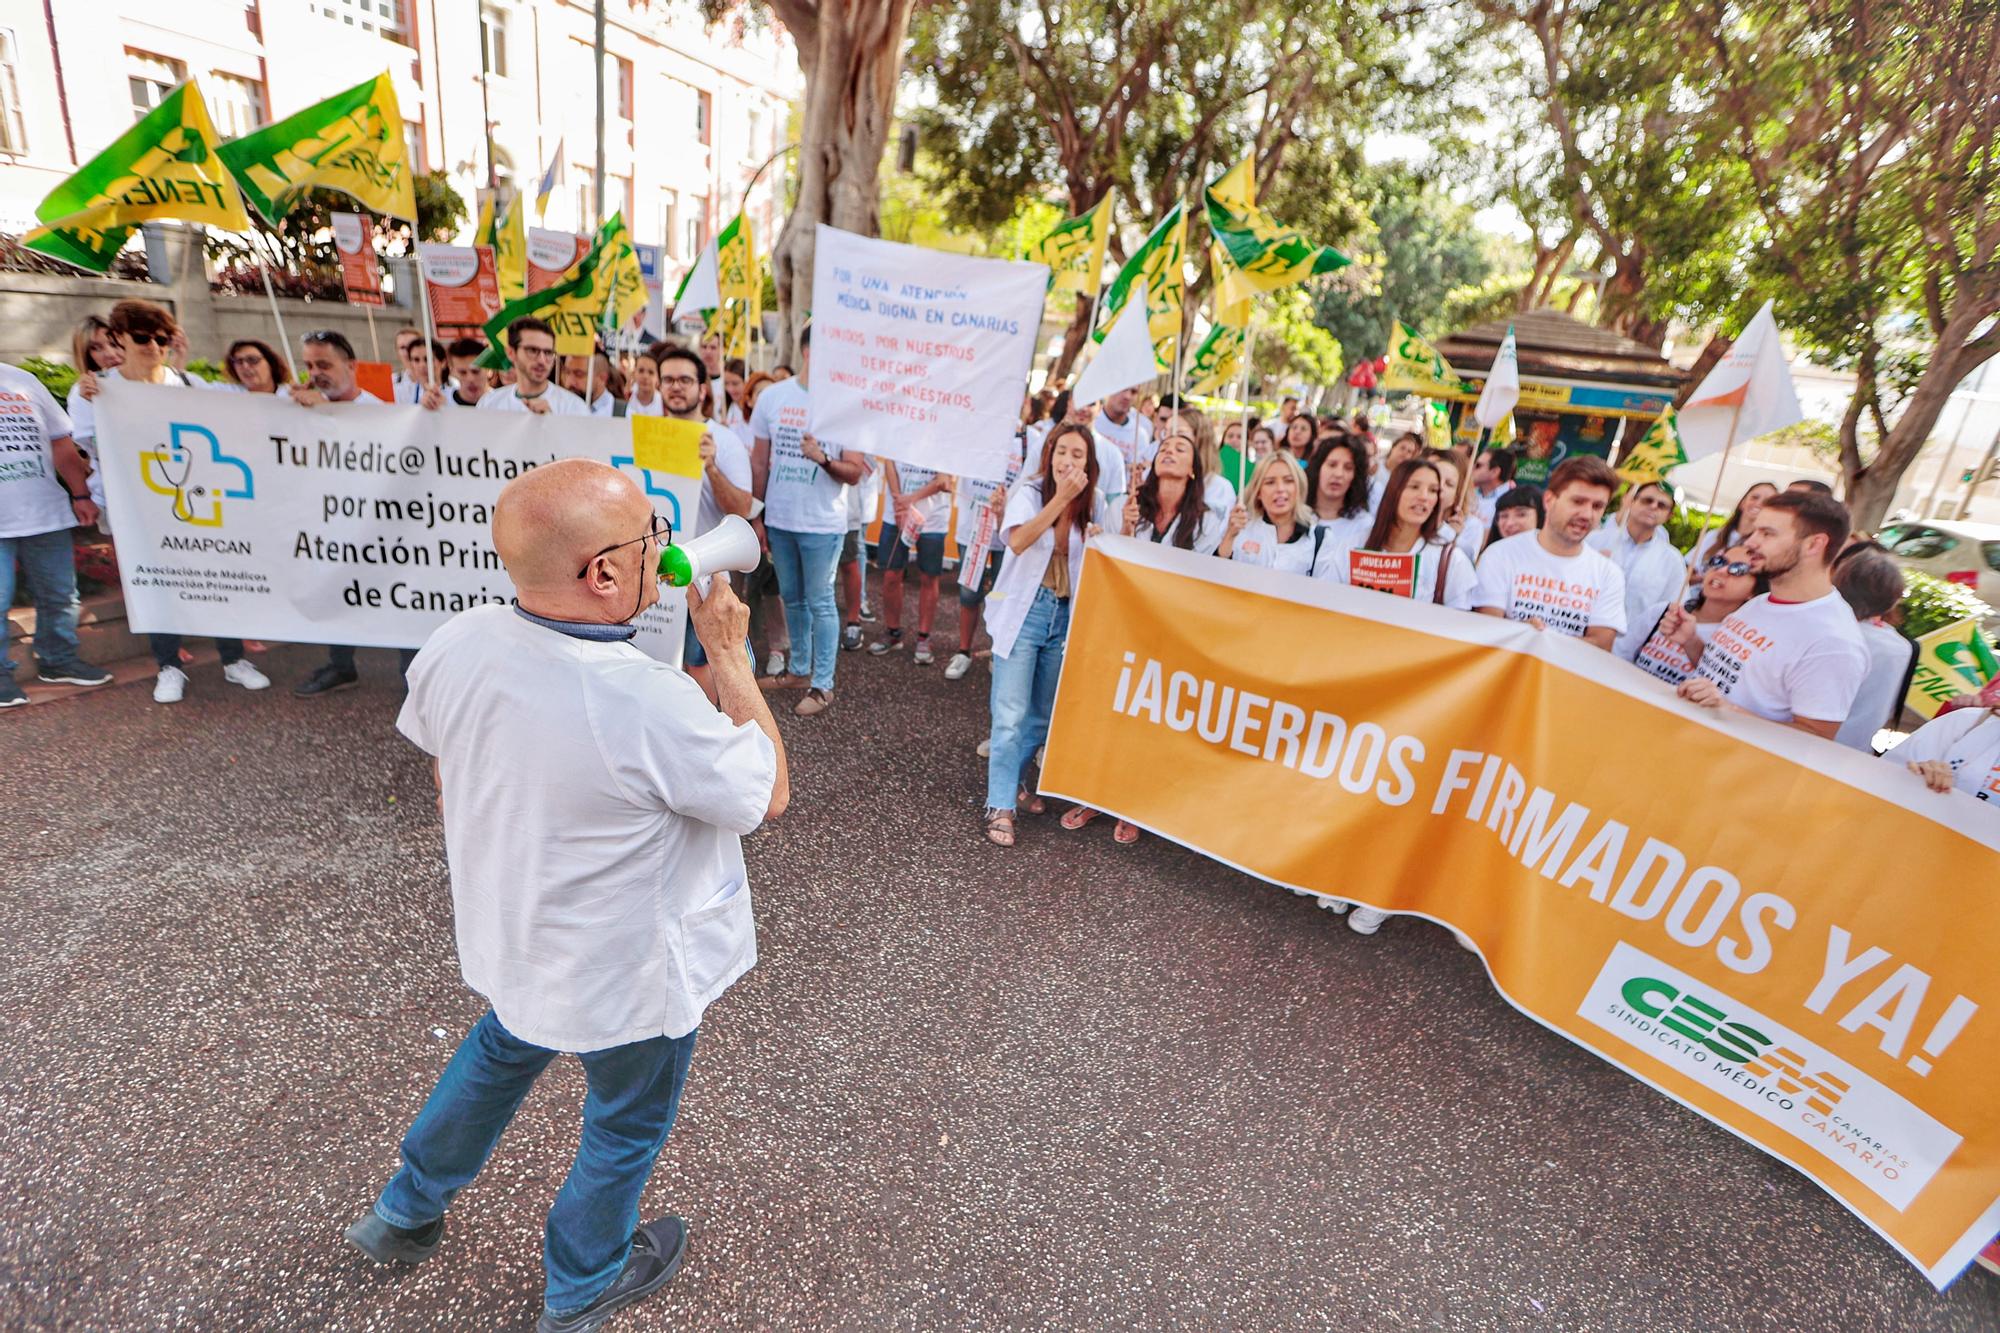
[178, 486]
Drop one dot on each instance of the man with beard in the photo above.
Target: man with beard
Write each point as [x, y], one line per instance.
[1795, 654]
[1550, 578]
[725, 470]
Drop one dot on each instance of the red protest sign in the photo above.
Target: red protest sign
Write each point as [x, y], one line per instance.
[1385, 571]
[359, 276]
[464, 284]
[550, 255]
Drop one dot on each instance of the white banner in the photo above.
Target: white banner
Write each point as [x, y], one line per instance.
[921, 356]
[247, 516]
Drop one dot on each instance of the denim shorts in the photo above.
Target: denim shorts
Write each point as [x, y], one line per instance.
[850, 546]
[891, 554]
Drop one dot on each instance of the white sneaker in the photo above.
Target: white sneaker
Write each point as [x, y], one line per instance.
[1337, 906]
[1365, 920]
[774, 665]
[240, 672]
[922, 657]
[986, 748]
[172, 685]
[956, 668]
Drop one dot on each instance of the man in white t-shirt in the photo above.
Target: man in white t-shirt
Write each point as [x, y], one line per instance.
[425, 357]
[594, 805]
[1794, 654]
[1636, 541]
[1125, 428]
[1550, 578]
[470, 381]
[531, 346]
[918, 505]
[725, 469]
[1492, 474]
[407, 337]
[803, 483]
[44, 492]
[1872, 583]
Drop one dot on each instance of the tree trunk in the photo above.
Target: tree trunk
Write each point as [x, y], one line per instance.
[1871, 486]
[851, 52]
[1073, 339]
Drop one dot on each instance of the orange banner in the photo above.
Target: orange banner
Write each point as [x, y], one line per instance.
[1792, 938]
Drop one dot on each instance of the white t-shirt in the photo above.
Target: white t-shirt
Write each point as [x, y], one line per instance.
[1134, 439]
[1654, 574]
[799, 494]
[1218, 495]
[33, 499]
[656, 408]
[1569, 594]
[973, 496]
[1258, 545]
[1114, 480]
[936, 509]
[1966, 738]
[1783, 660]
[864, 497]
[1207, 533]
[1460, 579]
[1880, 698]
[604, 405]
[732, 458]
[507, 398]
[594, 803]
[1661, 657]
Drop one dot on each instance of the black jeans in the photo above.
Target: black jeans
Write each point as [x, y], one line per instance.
[167, 650]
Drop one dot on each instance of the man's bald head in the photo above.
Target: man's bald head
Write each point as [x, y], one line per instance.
[551, 520]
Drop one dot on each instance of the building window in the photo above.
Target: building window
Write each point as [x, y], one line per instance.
[13, 127]
[586, 203]
[624, 88]
[701, 116]
[378, 16]
[697, 226]
[151, 78]
[493, 38]
[664, 229]
[621, 194]
[235, 105]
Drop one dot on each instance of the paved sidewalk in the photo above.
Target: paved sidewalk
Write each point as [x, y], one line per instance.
[1072, 1087]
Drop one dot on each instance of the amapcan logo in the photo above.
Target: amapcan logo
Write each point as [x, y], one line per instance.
[193, 471]
[1870, 1132]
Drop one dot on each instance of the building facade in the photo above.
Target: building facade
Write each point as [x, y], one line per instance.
[492, 92]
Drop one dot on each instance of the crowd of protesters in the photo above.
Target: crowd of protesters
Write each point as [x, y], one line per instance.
[1780, 611]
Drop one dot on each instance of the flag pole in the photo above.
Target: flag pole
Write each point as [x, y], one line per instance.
[1243, 449]
[424, 296]
[284, 338]
[1723, 466]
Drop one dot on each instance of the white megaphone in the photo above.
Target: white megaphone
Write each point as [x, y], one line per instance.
[729, 545]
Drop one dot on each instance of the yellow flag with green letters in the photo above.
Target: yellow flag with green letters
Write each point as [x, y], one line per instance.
[1957, 659]
[1415, 365]
[166, 166]
[1658, 450]
[1264, 253]
[1155, 272]
[510, 251]
[351, 142]
[1074, 250]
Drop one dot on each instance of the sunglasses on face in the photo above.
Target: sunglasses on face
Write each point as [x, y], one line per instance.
[150, 339]
[658, 530]
[1733, 568]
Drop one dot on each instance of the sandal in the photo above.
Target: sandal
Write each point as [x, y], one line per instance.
[1031, 803]
[1000, 827]
[1077, 816]
[1125, 834]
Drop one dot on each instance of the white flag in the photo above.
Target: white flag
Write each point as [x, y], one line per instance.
[1503, 386]
[1123, 359]
[700, 290]
[1750, 388]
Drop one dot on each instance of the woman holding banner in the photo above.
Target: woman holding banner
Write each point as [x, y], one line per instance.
[1337, 490]
[1957, 749]
[1272, 528]
[1518, 510]
[1409, 523]
[1217, 490]
[254, 366]
[1726, 583]
[1049, 517]
[94, 351]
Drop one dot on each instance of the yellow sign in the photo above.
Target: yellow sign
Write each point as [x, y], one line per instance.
[668, 444]
[1951, 661]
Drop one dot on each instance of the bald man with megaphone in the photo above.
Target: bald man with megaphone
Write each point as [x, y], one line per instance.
[594, 803]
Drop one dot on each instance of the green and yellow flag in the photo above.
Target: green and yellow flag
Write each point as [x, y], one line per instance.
[1958, 659]
[1658, 450]
[736, 273]
[1218, 362]
[1234, 312]
[482, 231]
[510, 251]
[166, 166]
[1415, 365]
[1264, 254]
[605, 282]
[1155, 269]
[1074, 251]
[612, 257]
[352, 142]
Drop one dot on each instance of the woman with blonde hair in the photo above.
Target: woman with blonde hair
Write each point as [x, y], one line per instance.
[1272, 527]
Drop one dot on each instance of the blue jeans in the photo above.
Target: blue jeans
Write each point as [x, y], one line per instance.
[1024, 695]
[633, 1093]
[48, 566]
[806, 564]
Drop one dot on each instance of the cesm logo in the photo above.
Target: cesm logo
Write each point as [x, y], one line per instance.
[1871, 1132]
[196, 485]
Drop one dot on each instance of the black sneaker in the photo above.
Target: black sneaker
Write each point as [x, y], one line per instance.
[11, 695]
[325, 681]
[387, 1244]
[657, 1251]
[78, 672]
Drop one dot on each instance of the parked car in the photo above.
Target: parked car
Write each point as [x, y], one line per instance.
[1967, 553]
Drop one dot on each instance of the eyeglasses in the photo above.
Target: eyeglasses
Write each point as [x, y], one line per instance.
[534, 351]
[150, 339]
[247, 359]
[1733, 568]
[679, 381]
[660, 531]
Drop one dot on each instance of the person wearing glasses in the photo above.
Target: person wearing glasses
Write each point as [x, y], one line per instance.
[725, 469]
[531, 346]
[1655, 572]
[254, 366]
[601, 907]
[1727, 581]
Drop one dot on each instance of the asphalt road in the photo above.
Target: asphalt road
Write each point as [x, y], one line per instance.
[1070, 1086]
